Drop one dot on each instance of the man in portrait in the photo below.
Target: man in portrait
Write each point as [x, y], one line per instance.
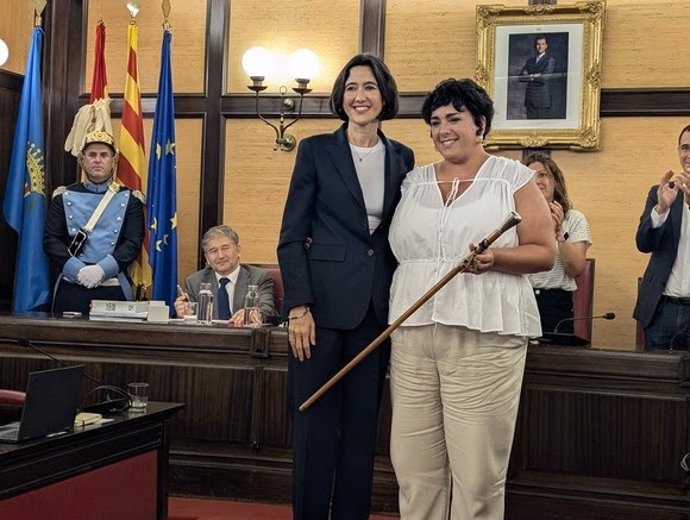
[537, 73]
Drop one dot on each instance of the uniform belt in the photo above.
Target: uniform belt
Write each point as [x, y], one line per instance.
[676, 300]
[110, 282]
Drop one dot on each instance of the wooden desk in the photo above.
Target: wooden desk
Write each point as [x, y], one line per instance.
[111, 471]
[600, 433]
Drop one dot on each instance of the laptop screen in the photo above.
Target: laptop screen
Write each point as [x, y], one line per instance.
[52, 398]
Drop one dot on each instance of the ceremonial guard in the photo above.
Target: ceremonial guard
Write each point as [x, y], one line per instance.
[94, 231]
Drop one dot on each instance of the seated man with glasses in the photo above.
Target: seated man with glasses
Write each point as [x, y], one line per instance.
[229, 280]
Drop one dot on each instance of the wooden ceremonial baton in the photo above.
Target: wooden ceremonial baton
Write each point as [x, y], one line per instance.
[512, 220]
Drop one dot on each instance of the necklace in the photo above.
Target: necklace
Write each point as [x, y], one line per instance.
[360, 157]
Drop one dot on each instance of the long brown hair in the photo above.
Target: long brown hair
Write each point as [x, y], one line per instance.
[560, 192]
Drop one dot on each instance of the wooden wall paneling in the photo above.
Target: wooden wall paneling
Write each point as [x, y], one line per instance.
[10, 90]
[372, 26]
[430, 40]
[61, 74]
[256, 182]
[618, 424]
[601, 432]
[275, 422]
[212, 180]
[615, 102]
[189, 134]
[415, 25]
[188, 27]
[633, 55]
[427, 41]
[331, 29]
[16, 24]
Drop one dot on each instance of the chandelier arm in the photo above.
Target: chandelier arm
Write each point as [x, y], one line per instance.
[275, 128]
[299, 113]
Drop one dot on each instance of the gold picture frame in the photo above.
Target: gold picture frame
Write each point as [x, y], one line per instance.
[559, 106]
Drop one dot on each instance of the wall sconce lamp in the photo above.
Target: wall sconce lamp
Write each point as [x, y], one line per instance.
[258, 63]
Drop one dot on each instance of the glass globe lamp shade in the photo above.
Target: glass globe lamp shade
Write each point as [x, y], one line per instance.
[257, 62]
[304, 64]
[4, 53]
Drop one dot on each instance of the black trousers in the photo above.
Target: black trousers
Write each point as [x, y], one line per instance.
[555, 305]
[77, 298]
[335, 439]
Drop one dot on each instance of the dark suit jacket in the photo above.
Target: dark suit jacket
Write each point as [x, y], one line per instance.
[538, 93]
[327, 257]
[663, 244]
[249, 275]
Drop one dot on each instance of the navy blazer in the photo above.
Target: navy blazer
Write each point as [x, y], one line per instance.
[663, 244]
[328, 259]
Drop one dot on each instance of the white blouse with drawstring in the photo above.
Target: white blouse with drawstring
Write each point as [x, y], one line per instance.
[429, 237]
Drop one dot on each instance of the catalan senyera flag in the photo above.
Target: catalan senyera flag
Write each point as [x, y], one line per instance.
[161, 200]
[131, 168]
[25, 203]
[99, 82]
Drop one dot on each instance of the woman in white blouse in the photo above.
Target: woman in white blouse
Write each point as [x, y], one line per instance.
[554, 289]
[457, 363]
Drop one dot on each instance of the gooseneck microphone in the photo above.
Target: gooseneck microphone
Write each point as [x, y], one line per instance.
[678, 335]
[607, 316]
[121, 402]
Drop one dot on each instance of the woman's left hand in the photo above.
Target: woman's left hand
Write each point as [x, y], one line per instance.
[481, 263]
[557, 215]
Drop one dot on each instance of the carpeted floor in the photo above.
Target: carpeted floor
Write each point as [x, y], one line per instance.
[201, 509]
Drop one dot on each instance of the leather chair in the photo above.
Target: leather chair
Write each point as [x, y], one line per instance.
[278, 292]
[11, 402]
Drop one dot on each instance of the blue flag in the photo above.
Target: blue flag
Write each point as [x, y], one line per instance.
[161, 198]
[25, 195]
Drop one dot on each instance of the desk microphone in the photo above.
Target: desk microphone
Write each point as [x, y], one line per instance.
[685, 462]
[679, 334]
[607, 316]
[120, 403]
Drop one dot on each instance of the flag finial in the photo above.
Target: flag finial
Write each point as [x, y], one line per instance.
[165, 7]
[133, 7]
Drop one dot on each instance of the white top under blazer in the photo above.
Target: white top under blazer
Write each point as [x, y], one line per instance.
[430, 237]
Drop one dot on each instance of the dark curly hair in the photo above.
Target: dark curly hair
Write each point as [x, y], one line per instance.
[384, 80]
[461, 93]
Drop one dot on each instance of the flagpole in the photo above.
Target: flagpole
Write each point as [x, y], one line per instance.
[132, 164]
[161, 200]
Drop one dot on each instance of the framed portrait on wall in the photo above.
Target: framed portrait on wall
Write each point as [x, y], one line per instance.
[541, 64]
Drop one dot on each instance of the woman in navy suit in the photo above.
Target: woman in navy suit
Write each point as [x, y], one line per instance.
[336, 267]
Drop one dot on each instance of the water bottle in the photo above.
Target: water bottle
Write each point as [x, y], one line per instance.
[252, 312]
[205, 307]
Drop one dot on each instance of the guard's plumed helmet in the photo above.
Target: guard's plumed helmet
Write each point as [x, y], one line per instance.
[100, 136]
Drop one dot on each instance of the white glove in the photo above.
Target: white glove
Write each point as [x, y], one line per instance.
[90, 276]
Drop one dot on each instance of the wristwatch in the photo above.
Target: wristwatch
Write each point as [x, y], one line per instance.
[562, 236]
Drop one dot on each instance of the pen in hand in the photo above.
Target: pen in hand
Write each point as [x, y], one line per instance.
[180, 292]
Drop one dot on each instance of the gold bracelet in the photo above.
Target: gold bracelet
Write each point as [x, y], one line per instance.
[300, 316]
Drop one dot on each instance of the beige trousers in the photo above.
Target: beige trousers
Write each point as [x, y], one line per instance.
[455, 395]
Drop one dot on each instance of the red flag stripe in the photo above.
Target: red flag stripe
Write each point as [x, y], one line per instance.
[131, 121]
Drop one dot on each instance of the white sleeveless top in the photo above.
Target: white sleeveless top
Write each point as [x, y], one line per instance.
[429, 238]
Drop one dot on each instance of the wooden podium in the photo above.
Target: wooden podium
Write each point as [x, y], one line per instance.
[111, 471]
